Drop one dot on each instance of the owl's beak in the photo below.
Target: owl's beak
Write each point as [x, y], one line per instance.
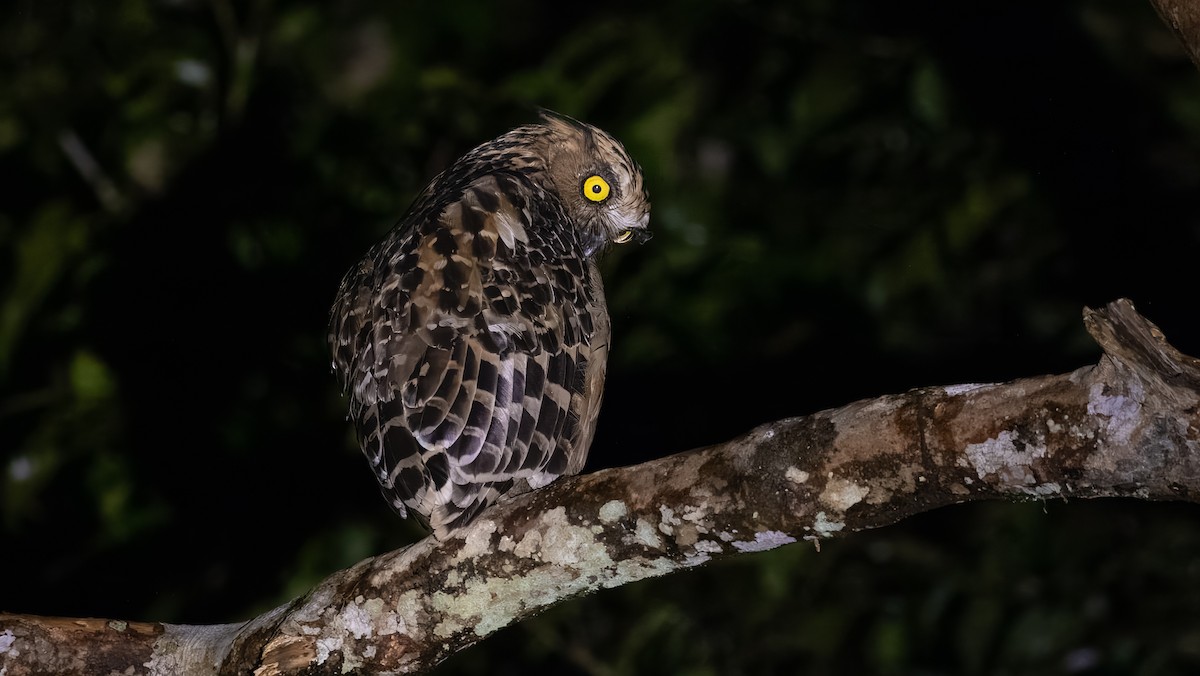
[642, 236]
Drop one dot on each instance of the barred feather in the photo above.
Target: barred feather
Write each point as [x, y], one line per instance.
[472, 341]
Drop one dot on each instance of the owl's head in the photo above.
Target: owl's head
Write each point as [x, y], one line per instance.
[599, 184]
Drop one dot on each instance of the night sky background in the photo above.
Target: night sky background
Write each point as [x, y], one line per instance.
[850, 199]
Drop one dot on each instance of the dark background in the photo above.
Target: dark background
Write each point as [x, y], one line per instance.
[850, 199]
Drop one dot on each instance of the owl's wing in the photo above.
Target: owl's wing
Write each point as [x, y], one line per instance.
[474, 349]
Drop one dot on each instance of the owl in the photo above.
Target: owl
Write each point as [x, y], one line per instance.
[472, 340]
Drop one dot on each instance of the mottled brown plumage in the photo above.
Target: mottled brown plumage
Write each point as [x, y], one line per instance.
[472, 340]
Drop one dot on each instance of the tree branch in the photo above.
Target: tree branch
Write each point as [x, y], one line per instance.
[1183, 18]
[1128, 426]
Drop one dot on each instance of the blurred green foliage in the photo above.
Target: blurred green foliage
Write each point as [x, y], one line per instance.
[850, 199]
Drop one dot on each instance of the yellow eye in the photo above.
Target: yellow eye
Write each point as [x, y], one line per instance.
[595, 188]
[625, 236]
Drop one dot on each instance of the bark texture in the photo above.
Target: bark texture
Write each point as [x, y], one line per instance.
[1183, 18]
[1127, 426]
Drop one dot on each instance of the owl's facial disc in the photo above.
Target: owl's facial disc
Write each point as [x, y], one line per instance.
[600, 185]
